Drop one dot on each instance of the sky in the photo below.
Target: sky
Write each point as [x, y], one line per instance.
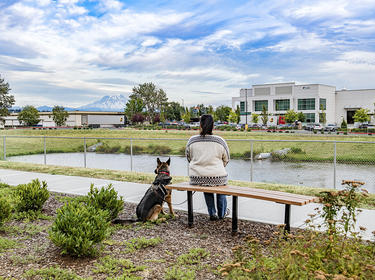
[73, 52]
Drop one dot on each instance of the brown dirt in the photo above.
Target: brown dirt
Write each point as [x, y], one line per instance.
[37, 251]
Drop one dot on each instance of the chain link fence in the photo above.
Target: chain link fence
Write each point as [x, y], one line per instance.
[311, 163]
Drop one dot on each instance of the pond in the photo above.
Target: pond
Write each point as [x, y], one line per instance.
[305, 174]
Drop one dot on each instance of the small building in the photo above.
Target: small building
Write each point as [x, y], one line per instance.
[313, 100]
[75, 118]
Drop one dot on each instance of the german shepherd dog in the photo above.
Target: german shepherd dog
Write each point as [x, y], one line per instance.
[152, 202]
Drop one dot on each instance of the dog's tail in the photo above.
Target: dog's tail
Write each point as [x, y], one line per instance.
[125, 221]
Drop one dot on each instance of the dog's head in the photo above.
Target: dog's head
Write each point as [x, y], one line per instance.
[162, 170]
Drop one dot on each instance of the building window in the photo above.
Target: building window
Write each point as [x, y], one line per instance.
[322, 104]
[282, 105]
[306, 104]
[310, 117]
[259, 105]
[242, 106]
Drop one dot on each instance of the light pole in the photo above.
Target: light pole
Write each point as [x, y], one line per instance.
[246, 106]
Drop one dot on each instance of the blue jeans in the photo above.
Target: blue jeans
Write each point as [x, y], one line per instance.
[221, 201]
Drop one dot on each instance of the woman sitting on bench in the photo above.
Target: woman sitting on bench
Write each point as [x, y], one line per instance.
[208, 155]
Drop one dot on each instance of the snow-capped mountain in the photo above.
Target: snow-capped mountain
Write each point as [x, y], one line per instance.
[115, 103]
[106, 103]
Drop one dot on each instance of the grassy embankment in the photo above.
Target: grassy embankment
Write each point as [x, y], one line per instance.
[138, 177]
[300, 151]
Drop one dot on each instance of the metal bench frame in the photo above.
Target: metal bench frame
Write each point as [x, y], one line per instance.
[279, 197]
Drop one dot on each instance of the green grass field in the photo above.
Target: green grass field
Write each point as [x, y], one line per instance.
[263, 142]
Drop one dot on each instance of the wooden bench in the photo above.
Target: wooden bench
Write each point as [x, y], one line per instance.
[236, 191]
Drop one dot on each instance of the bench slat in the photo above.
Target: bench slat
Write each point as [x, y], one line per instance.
[275, 196]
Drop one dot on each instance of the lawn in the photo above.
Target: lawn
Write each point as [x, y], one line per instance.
[173, 142]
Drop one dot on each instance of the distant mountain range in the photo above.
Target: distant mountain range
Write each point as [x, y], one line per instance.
[115, 103]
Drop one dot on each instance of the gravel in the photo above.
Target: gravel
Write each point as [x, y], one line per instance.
[36, 251]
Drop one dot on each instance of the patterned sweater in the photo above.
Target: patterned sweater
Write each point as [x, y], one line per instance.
[207, 156]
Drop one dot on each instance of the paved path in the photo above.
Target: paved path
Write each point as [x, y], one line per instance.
[249, 209]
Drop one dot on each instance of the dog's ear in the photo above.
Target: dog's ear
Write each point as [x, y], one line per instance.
[158, 161]
[169, 161]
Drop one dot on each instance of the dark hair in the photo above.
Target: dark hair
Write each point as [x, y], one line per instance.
[207, 124]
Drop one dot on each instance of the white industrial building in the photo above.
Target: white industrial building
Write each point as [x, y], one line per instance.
[311, 99]
[75, 118]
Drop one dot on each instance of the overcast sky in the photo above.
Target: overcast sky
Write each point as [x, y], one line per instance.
[72, 52]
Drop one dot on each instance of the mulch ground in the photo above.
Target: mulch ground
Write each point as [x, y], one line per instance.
[36, 251]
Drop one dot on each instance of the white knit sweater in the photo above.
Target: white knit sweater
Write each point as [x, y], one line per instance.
[207, 155]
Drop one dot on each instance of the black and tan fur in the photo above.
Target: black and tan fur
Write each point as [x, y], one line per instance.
[152, 202]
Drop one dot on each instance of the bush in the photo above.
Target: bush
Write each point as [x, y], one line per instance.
[79, 228]
[159, 149]
[32, 196]
[105, 199]
[5, 210]
[297, 150]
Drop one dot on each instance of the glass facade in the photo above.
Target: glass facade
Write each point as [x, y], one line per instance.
[282, 105]
[322, 104]
[309, 117]
[306, 104]
[259, 105]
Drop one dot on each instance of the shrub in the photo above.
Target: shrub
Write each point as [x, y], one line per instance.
[158, 149]
[5, 210]
[79, 228]
[32, 196]
[136, 149]
[297, 150]
[105, 199]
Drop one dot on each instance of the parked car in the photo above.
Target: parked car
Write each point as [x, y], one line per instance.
[317, 126]
[330, 127]
[366, 125]
[309, 126]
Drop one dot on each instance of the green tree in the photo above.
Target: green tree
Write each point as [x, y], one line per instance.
[264, 115]
[255, 118]
[153, 99]
[173, 111]
[210, 110]
[361, 115]
[133, 106]
[238, 113]
[222, 113]
[186, 116]
[59, 115]
[232, 117]
[6, 100]
[301, 117]
[29, 116]
[291, 116]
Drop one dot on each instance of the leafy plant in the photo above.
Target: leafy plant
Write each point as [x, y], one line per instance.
[106, 199]
[311, 253]
[32, 196]
[79, 228]
[5, 210]
[194, 256]
[6, 244]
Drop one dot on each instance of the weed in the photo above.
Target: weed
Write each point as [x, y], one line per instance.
[141, 243]
[194, 256]
[31, 215]
[28, 259]
[51, 273]
[6, 244]
[112, 266]
[177, 273]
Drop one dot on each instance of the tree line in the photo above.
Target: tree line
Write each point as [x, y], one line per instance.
[149, 103]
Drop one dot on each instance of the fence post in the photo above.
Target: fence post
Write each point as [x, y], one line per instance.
[84, 152]
[334, 165]
[252, 161]
[4, 148]
[131, 154]
[45, 150]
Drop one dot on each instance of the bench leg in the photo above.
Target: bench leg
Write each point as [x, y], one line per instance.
[287, 218]
[234, 214]
[190, 208]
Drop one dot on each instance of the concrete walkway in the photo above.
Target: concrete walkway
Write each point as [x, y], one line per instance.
[249, 209]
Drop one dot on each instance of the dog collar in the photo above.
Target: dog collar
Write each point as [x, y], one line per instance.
[164, 172]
